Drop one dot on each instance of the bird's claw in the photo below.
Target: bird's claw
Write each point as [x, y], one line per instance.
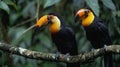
[57, 55]
[92, 53]
[105, 48]
[66, 55]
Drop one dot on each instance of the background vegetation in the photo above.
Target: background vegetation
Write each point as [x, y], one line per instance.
[17, 15]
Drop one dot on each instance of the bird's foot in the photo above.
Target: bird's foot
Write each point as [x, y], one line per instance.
[92, 50]
[66, 55]
[57, 55]
[105, 47]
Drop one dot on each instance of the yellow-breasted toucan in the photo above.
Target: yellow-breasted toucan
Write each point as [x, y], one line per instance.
[96, 31]
[62, 36]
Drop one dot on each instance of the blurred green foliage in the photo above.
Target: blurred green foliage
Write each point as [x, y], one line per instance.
[23, 14]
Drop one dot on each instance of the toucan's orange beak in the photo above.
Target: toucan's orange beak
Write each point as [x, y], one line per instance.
[76, 18]
[80, 14]
[42, 21]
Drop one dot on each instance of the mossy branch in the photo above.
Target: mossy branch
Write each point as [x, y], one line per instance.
[82, 57]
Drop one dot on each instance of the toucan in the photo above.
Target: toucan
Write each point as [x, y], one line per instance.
[96, 32]
[62, 36]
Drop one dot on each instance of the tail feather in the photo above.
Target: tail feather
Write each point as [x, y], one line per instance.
[108, 60]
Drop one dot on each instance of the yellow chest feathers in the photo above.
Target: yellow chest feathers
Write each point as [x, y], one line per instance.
[88, 20]
[55, 25]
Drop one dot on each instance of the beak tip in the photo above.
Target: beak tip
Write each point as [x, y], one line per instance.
[37, 28]
[76, 18]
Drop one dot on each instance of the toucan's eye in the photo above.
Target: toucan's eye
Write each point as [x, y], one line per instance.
[50, 18]
[86, 13]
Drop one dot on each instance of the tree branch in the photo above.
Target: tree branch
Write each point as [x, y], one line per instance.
[83, 57]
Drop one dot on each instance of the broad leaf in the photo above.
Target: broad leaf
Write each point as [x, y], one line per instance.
[78, 4]
[4, 6]
[109, 4]
[29, 9]
[50, 3]
[10, 2]
[93, 4]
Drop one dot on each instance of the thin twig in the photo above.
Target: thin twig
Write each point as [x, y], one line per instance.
[37, 11]
[25, 31]
[24, 22]
[31, 19]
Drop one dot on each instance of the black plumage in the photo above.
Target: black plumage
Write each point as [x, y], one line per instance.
[96, 31]
[98, 35]
[65, 41]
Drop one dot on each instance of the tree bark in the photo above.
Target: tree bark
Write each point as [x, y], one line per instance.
[82, 57]
[4, 30]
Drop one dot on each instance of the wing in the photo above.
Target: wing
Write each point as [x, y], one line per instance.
[105, 33]
[98, 34]
[65, 41]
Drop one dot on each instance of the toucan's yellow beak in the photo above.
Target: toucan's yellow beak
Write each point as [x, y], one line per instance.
[42, 21]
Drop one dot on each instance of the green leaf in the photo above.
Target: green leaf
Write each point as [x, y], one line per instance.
[19, 35]
[93, 4]
[50, 3]
[4, 6]
[118, 13]
[14, 17]
[78, 4]
[45, 40]
[109, 4]
[49, 64]
[10, 2]
[29, 9]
